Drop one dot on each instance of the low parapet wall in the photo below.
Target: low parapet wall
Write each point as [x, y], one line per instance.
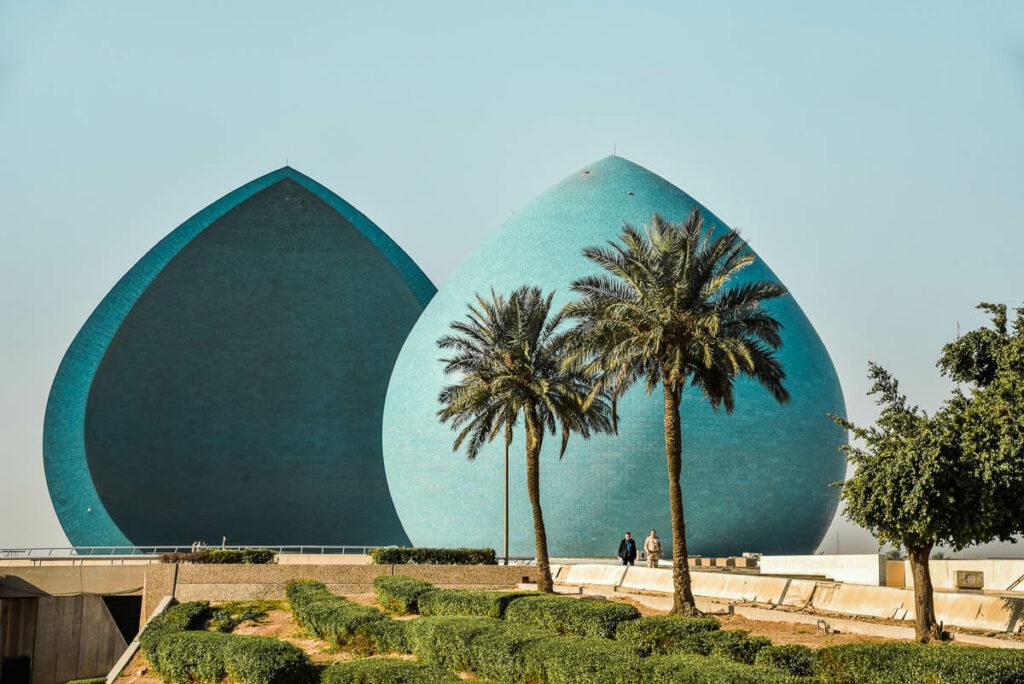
[971, 611]
[868, 568]
[1000, 574]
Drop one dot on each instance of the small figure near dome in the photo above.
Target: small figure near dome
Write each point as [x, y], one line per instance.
[652, 547]
[627, 549]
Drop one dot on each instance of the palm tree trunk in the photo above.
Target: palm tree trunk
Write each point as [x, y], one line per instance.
[683, 602]
[534, 440]
[926, 626]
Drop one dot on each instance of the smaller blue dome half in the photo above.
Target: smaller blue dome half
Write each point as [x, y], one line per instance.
[232, 383]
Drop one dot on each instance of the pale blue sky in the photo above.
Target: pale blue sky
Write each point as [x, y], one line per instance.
[872, 155]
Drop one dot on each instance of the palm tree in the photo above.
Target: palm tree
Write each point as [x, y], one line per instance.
[510, 355]
[668, 312]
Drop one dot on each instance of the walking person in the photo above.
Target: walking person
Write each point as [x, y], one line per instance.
[652, 547]
[627, 549]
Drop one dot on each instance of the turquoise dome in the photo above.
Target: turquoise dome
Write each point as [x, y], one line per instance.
[756, 480]
[232, 383]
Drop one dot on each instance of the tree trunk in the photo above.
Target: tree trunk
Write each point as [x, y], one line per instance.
[683, 602]
[534, 440]
[926, 627]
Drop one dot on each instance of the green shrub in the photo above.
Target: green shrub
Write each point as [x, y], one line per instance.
[90, 680]
[445, 641]
[177, 618]
[329, 617]
[222, 556]
[736, 644]
[904, 663]
[468, 602]
[385, 671]
[684, 668]
[660, 634]
[576, 660]
[393, 555]
[397, 593]
[497, 653]
[792, 658]
[195, 656]
[381, 636]
[572, 616]
[227, 617]
[261, 660]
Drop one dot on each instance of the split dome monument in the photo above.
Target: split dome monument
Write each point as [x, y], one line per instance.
[233, 384]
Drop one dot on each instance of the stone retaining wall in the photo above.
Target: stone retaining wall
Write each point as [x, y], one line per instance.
[193, 582]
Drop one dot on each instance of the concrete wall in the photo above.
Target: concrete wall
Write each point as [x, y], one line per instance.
[71, 580]
[851, 568]
[1000, 574]
[67, 637]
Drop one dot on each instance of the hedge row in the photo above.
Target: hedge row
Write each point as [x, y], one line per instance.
[468, 602]
[571, 616]
[332, 618]
[903, 663]
[386, 671]
[222, 556]
[663, 634]
[398, 594]
[181, 651]
[515, 653]
[393, 555]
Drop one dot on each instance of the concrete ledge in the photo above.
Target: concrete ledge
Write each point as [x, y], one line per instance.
[647, 579]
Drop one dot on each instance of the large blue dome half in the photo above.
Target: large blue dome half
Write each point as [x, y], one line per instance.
[756, 480]
[232, 383]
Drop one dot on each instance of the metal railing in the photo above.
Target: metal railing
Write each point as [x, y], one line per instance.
[57, 552]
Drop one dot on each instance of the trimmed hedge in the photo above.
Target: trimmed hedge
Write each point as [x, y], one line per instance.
[329, 617]
[385, 671]
[222, 556]
[903, 663]
[791, 658]
[684, 668]
[262, 660]
[662, 634]
[393, 555]
[398, 594]
[445, 641]
[199, 656]
[468, 602]
[177, 618]
[380, 636]
[576, 660]
[735, 644]
[571, 616]
[191, 657]
[498, 653]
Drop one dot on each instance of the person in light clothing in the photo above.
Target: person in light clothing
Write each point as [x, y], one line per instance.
[652, 547]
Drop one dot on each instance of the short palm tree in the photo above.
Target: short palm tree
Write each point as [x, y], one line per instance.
[667, 311]
[510, 355]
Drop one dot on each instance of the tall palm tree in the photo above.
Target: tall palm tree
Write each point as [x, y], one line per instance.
[510, 355]
[667, 311]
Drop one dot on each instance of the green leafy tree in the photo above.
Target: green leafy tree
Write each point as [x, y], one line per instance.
[953, 478]
[668, 311]
[510, 354]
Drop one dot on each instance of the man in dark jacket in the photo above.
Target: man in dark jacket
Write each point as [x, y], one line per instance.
[627, 550]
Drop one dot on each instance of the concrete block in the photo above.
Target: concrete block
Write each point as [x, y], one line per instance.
[647, 579]
[600, 575]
